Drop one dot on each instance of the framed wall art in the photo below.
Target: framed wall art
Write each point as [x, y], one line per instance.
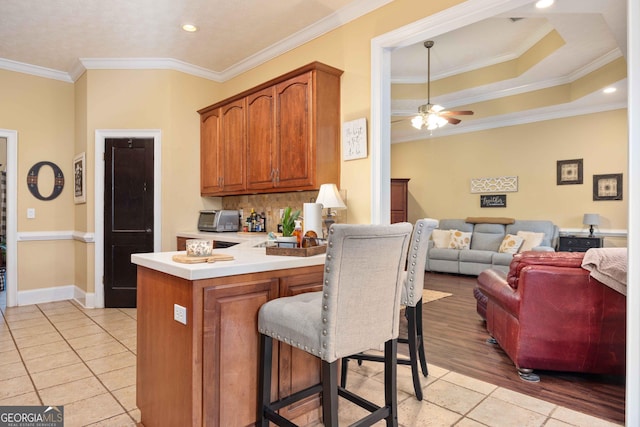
[493, 201]
[569, 172]
[494, 184]
[354, 139]
[79, 179]
[607, 187]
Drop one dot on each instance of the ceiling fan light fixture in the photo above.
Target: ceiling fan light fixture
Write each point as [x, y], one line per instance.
[432, 116]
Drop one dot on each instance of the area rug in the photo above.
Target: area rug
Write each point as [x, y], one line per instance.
[430, 296]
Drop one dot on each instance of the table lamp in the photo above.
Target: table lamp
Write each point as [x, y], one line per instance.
[330, 198]
[591, 220]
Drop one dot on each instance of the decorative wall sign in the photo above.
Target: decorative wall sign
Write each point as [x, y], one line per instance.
[32, 180]
[569, 172]
[607, 187]
[493, 201]
[493, 185]
[354, 139]
[79, 179]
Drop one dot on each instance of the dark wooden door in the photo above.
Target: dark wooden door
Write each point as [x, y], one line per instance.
[128, 215]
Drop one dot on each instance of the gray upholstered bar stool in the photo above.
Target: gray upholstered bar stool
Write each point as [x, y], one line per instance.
[357, 309]
[413, 281]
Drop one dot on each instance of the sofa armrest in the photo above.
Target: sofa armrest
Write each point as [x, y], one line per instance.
[493, 283]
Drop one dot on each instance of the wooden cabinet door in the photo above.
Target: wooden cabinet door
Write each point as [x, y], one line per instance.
[210, 173]
[295, 166]
[299, 369]
[233, 137]
[230, 331]
[261, 140]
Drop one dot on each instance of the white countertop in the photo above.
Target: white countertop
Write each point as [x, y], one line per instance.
[247, 259]
[226, 236]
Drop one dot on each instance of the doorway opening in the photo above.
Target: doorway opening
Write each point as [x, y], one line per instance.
[9, 296]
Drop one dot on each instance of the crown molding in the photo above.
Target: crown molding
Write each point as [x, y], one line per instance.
[337, 19]
[147, 64]
[340, 17]
[34, 70]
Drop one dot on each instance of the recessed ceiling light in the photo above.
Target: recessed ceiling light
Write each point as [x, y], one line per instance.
[190, 28]
[610, 89]
[544, 3]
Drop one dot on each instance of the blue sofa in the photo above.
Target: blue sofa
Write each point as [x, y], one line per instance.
[486, 238]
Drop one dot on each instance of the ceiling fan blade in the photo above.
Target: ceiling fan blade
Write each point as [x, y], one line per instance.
[398, 121]
[452, 120]
[456, 113]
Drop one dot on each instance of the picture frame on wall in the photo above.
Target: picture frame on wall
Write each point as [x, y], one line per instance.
[354, 139]
[569, 172]
[493, 201]
[607, 186]
[79, 179]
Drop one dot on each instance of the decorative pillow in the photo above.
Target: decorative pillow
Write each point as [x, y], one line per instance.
[510, 244]
[531, 240]
[441, 238]
[460, 240]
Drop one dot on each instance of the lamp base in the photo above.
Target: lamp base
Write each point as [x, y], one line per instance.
[328, 222]
[591, 231]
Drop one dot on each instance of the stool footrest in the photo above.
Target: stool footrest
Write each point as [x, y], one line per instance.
[302, 394]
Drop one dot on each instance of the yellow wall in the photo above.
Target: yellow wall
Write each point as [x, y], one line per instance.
[441, 169]
[42, 111]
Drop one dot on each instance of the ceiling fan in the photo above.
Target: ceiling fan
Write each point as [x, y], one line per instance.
[434, 116]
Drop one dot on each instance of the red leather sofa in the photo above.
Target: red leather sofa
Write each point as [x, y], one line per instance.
[547, 313]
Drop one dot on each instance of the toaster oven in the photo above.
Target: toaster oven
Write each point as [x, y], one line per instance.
[218, 220]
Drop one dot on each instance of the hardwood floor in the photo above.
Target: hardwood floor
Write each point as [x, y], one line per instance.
[455, 339]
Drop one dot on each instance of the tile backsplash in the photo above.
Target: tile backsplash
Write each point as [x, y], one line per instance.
[271, 204]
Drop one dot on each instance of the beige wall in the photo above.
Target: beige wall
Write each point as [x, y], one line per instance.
[42, 112]
[441, 168]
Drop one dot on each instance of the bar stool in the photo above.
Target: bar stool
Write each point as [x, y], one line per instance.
[413, 283]
[357, 309]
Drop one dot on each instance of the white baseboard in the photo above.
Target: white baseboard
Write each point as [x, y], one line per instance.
[57, 293]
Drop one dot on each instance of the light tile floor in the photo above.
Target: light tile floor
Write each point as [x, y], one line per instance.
[85, 359]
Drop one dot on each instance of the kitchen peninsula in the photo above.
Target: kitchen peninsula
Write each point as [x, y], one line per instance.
[205, 372]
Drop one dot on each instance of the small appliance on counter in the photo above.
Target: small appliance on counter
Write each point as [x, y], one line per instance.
[218, 220]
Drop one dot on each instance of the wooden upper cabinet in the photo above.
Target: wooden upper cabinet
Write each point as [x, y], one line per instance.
[222, 149]
[233, 136]
[210, 173]
[261, 139]
[291, 127]
[294, 145]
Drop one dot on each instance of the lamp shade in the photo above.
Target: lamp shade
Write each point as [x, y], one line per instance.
[329, 197]
[591, 219]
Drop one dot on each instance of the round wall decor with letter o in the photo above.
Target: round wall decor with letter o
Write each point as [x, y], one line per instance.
[32, 180]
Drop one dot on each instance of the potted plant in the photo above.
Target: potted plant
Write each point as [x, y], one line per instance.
[288, 225]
